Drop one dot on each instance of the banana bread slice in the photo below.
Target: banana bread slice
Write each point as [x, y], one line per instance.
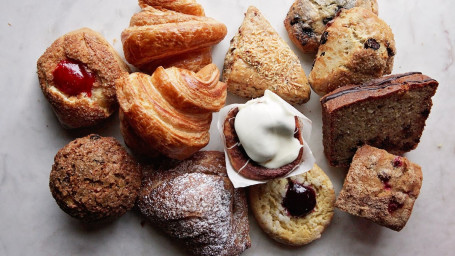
[388, 113]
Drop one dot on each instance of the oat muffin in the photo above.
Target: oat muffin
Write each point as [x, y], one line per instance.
[356, 47]
[93, 178]
[306, 20]
[380, 187]
[295, 210]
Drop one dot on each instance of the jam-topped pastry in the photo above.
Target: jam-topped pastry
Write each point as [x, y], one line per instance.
[294, 210]
[264, 139]
[77, 75]
[380, 187]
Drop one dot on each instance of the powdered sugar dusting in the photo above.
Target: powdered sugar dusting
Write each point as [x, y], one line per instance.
[196, 203]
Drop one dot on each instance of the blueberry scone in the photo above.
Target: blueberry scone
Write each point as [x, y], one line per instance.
[356, 47]
[307, 20]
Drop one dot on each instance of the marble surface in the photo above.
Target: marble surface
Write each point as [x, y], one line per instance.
[31, 222]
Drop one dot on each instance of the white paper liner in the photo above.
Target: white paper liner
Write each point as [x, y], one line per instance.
[308, 159]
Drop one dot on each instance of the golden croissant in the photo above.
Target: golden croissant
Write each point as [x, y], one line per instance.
[168, 38]
[183, 6]
[171, 110]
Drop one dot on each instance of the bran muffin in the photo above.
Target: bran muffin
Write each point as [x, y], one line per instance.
[93, 178]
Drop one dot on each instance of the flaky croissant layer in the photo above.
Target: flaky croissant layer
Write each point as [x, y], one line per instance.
[171, 110]
[157, 34]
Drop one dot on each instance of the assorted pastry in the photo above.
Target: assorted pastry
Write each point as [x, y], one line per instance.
[258, 59]
[94, 179]
[380, 187]
[356, 46]
[194, 202]
[295, 210]
[264, 139]
[77, 75]
[388, 112]
[306, 20]
[168, 37]
[171, 110]
[194, 196]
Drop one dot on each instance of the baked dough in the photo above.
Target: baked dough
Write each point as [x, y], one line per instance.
[356, 47]
[171, 110]
[89, 48]
[307, 19]
[247, 167]
[259, 59]
[183, 6]
[194, 202]
[380, 187]
[157, 37]
[266, 202]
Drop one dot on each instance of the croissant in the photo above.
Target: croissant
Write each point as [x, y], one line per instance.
[195, 202]
[183, 6]
[171, 110]
[164, 37]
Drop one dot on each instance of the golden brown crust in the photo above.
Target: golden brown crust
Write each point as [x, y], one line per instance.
[266, 202]
[388, 113]
[90, 48]
[183, 6]
[93, 178]
[356, 47]
[259, 59]
[306, 19]
[194, 61]
[243, 164]
[156, 35]
[172, 109]
[380, 187]
[194, 201]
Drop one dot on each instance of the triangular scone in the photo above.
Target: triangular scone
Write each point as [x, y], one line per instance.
[259, 59]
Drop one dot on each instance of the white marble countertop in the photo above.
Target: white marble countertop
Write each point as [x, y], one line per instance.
[31, 222]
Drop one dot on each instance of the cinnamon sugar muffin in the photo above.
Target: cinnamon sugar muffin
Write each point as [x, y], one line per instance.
[93, 178]
[294, 210]
[380, 187]
[77, 74]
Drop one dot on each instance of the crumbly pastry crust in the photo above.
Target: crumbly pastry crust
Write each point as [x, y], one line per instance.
[356, 46]
[164, 37]
[171, 110]
[387, 113]
[266, 206]
[93, 178]
[307, 19]
[380, 187]
[247, 167]
[259, 59]
[194, 201]
[91, 49]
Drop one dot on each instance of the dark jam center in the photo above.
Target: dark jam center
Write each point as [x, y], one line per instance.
[73, 78]
[299, 200]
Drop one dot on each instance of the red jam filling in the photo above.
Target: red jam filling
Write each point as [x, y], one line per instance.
[300, 200]
[73, 78]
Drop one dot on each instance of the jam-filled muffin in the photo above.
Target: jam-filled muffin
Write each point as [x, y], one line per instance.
[77, 74]
[294, 210]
